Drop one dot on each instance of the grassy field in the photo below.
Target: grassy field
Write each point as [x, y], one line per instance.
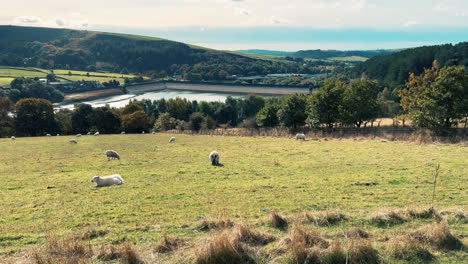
[7, 74]
[172, 188]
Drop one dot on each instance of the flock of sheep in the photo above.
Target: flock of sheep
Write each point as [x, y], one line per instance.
[116, 179]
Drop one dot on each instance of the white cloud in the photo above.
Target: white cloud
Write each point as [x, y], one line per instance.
[27, 20]
[320, 14]
[55, 22]
[411, 23]
[280, 21]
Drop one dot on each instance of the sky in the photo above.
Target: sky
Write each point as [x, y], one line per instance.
[286, 25]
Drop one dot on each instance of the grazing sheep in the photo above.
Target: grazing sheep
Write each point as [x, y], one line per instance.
[78, 135]
[58, 135]
[107, 180]
[89, 133]
[73, 141]
[153, 132]
[48, 135]
[300, 136]
[143, 132]
[96, 134]
[112, 155]
[214, 158]
[123, 133]
[172, 139]
[13, 138]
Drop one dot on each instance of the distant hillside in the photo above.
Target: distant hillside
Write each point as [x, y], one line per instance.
[393, 70]
[266, 52]
[327, 54]
[87, 50]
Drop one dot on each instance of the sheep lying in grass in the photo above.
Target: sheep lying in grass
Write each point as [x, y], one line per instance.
[300, 136]
[73, 141]
[112, 155]
[13, 138]
[110, 180]
[214, 158]
[172, 139]
[78, 135]
[96, 134]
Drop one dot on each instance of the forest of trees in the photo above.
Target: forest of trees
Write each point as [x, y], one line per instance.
[436, 99]
[393, 70]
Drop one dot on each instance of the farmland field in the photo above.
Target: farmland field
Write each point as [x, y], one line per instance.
[7, 74]
[169, 188]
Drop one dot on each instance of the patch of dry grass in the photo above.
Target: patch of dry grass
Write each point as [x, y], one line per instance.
[361, 251]
[68, 250]
[246, 235]
[168, 244]
[408, 249]
[278, 221]
[387, 218]
[439, 236]
[215, 224]
[125, 253]
[422, 212]
[326, 218]
[223, 248]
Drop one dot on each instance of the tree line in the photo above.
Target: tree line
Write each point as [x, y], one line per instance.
[436, 99]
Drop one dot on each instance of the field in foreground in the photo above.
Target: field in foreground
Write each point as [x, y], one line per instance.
[172, 189]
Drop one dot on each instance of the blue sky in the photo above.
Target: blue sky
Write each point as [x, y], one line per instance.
[261, 24]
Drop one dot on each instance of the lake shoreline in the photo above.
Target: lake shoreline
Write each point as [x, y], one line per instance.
[141, 89]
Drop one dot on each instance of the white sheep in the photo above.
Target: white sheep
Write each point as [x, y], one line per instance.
[96, 134]
[58, 135]
[107, 180]
[172, 139]
[78, 135]
[48, 135]
[89, 133]
[73, 141]
[152, 132]
[112, 155]
[300, 136]
[214, 158]
[13, 138]
[143, 132]
[123, 133]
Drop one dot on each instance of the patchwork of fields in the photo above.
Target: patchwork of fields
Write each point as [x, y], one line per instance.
[172, 188]
[7, 74]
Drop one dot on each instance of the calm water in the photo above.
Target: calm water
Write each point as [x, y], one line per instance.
[122, 100]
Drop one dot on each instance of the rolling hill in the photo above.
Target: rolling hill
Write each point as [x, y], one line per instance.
[393, 70]
[52, 48]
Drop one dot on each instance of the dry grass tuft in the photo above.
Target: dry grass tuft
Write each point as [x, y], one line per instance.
[422, 212]
[168, 244]
[334, 254]
[215, 224]
[354, 233]
[125, 253]
[439, 236]
[409, 250]
[309, 239]
[387, 218]
[326, 218]
[223, 248]
[456, 214]
[129, 255]
[67, 250]
[361, 251]
[249, 236]
[277, 220]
